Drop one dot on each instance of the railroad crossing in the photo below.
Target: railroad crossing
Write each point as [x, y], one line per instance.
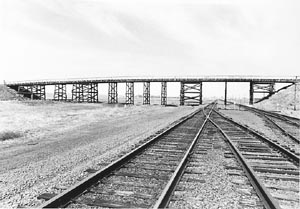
[86, 90]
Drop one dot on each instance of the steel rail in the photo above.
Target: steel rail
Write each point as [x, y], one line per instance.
[166, 195]
[66, 197]
[285, 118]
[282, 117]
[286, 152]
[282, 130]
[266, 198]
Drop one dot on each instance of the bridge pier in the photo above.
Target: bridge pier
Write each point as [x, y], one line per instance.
[191, 93]
[163, 93]
[85, 92]
[129, 95]
[77, 92]
[260, 88]
[60, 92]
[181, 93]
[146, 93]
[112, 93]
[93, 92]
[39, 91]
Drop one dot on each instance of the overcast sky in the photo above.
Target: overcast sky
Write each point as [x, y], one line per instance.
[98, 38]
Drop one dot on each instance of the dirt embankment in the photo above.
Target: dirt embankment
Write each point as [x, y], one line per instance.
[286, 101]
[7, 94]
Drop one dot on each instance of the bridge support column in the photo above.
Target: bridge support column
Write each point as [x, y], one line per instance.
[191, 93]
[266, 89]
[77, 92]
[251, 98]
[85, 92]
[26, 91]
[296, 96]
[38, 92]
[113, 93]
[225, 99]
[90, 92]
[146, 93]
[129, 95]
[181, 93]
[60, 92]
[163, 93]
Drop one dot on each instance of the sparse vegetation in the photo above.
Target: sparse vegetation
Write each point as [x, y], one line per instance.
[5, 135]
[285, 101]
[7, 94]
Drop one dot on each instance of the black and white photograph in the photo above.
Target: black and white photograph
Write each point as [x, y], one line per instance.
[150, 104]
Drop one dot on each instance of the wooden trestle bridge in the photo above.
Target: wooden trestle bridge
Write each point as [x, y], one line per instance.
[86, 90]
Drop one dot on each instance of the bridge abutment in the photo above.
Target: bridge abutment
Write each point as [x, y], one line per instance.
[26, 91]
[33, 91]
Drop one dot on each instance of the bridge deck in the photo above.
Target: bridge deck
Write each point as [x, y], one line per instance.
[190, 79]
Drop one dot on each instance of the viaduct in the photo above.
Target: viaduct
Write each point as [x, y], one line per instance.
[86, 90]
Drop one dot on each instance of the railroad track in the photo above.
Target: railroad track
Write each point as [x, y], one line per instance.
[138, 178]
[286, 118]
[275, 167]
[213, 177]
[262, 174]
[286, 126]
[202, 156]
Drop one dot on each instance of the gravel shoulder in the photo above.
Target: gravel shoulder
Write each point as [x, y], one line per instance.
[250, 119]
[59, 141]
[257, 123]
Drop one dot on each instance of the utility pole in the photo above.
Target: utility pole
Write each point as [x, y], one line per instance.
[295, 95]
[225, 100]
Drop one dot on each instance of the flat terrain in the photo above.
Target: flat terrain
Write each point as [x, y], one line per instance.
[59, 141]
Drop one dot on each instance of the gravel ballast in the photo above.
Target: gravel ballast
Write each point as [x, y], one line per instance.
[212, 179]
[257, 123]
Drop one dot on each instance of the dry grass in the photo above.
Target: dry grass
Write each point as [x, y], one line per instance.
[5, 135]
[283, 102]
[61, 140]
[7, 94]
[33, 119]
